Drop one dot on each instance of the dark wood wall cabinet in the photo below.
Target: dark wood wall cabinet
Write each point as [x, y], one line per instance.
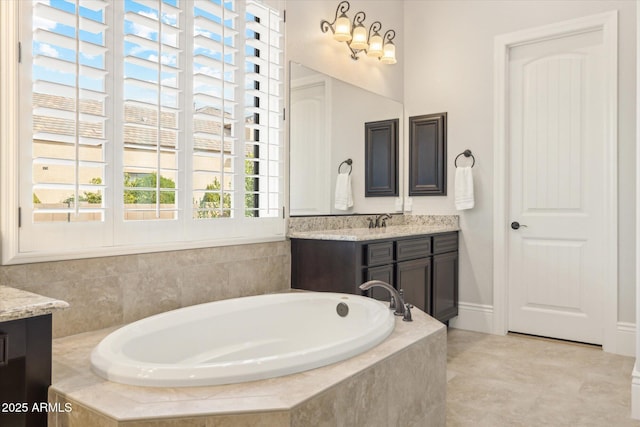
[381, 158]
[425, 267]
[428, 155]
[25, 371]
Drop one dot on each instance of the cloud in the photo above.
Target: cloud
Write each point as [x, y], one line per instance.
[48, 50]
[166, 59]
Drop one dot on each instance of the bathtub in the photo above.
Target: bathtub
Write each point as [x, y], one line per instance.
[242, 339]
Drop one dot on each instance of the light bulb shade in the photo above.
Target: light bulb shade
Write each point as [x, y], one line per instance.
[343, 29]
[375, 46]
[359, 40]
[389, 55]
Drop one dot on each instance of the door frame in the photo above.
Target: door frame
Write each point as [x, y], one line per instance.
[608, 23]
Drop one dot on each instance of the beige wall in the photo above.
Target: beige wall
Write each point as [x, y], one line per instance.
[111, 291]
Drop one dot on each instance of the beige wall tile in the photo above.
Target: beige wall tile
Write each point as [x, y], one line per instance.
[110, 291]
[265, 419]
[150, 292]
[172, 422]
[81, 416]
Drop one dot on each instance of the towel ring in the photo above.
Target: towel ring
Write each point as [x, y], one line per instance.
[466, 153]
[348, 162]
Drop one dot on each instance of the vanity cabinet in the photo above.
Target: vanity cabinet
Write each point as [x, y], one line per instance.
[425, 267]
[25, 371]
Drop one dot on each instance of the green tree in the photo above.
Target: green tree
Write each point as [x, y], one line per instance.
[87, 196]
[209, 205]
[250, 186]
[148, 196]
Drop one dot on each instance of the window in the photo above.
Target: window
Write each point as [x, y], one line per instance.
[149, 122]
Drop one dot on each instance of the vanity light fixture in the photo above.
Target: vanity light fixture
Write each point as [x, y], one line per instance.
[357, 37]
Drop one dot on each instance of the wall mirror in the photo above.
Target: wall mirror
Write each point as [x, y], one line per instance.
[327, 126]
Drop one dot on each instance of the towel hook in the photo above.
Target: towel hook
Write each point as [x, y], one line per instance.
[348, 162]
[466, 153]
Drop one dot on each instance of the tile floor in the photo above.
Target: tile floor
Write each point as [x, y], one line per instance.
[517, 380]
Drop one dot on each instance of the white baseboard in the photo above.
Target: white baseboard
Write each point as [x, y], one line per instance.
[626, 339]
[473, 317]
[479, 318]
[635, 392]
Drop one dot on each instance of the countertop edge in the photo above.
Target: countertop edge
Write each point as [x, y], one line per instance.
[356, 235]
[16, 304]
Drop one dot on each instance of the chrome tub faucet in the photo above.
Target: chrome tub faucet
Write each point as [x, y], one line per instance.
[397, 300]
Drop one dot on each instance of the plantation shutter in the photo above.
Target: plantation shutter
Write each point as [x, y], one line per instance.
[215, 57]
[263, 108]
[153, 109]
[69, 111]
[149, 123]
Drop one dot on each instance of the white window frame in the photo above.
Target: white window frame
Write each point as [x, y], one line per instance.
[222, 231]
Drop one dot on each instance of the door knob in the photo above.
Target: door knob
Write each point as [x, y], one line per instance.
[515, 225]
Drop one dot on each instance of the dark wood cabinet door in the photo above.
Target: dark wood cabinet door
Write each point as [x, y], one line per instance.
[384, 273]
[445, 290]
[428, 155]
[414, 278]
[381, 158]
[326, 265]
[25, 375]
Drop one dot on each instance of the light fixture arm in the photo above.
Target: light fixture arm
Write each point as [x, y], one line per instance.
[389, 36]
[374, 28]
[342, 8]
[359, 18]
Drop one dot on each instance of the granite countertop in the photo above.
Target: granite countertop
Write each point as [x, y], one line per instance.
[360, 234]
[18, 304]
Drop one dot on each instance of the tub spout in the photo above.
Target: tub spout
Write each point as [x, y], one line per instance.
[401, 309]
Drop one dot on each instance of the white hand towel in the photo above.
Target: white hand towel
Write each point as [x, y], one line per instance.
[464, 188]
[344, 197]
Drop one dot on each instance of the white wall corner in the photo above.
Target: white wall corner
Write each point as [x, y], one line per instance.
[635, 382]
[474, 317]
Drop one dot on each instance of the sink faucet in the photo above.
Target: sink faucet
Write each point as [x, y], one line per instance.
[401, 309]
[379, 221]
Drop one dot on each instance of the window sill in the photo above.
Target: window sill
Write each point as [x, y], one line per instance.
[27, 258]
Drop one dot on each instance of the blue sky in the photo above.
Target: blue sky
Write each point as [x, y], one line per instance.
[142, 70]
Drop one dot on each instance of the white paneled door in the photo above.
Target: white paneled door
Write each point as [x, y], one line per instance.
[557, 185]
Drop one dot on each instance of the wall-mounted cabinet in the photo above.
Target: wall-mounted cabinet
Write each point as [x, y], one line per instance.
[428, 155]
[381, 158]
[425, 267]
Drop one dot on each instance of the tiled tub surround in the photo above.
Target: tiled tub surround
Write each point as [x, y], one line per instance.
[401, 382]
[110, 291]
[349, 222]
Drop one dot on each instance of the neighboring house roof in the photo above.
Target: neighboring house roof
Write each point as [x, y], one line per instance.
[140, 124]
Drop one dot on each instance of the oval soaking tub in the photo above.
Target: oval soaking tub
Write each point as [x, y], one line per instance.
[242, 339]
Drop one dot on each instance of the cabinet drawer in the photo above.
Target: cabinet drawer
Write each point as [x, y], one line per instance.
[379, 253]
[413, 248]
[445, 243]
